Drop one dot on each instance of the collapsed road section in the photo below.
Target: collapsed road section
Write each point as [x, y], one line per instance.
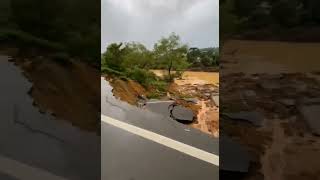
[148, 145]
[39, 145]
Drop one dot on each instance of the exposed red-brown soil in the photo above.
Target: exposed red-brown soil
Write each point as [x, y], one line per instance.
[127, 90]
[69, 91]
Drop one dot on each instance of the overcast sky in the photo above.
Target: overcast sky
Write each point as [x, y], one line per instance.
[146, 21]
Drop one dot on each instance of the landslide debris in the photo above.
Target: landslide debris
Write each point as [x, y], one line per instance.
[285, 144]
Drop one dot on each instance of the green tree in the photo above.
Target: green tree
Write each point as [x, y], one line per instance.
[171, 54]
[114, 57]
[137, 55]
[193, 56]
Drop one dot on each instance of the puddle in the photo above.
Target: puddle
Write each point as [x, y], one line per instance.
[47, 142]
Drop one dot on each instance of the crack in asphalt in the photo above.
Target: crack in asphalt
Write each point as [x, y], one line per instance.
[30, 128]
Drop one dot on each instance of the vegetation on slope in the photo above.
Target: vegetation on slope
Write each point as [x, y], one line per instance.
[134, 61]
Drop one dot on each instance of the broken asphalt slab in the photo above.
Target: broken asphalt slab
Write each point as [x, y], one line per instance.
[143, 158]
[169, 109]
[159, 107]
[181, 114]
[154, 122]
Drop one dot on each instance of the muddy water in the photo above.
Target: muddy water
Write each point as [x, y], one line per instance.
[208, 119]
[48, 143]
[271, 57]
[192, 77]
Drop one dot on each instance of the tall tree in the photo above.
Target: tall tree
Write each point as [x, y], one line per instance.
[171, 54]
[114, 56]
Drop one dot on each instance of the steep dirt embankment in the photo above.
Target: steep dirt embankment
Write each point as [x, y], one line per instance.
[70, 91]
[128, 91]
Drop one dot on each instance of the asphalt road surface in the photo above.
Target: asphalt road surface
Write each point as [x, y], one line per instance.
[139, 145]
[36, 146]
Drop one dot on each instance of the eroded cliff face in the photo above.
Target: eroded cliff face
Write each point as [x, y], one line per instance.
[128, 91]
[70, 91]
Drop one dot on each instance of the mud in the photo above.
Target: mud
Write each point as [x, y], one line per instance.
[284, 147]
[254, 56]
[208, 118]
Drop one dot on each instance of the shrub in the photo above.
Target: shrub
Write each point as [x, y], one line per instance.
[161, 86]
[144, 77]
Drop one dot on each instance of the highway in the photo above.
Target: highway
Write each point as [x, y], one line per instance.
[36, 145]
[137, 144]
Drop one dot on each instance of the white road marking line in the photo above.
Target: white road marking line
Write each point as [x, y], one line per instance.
[23, 171]
[179, 146]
